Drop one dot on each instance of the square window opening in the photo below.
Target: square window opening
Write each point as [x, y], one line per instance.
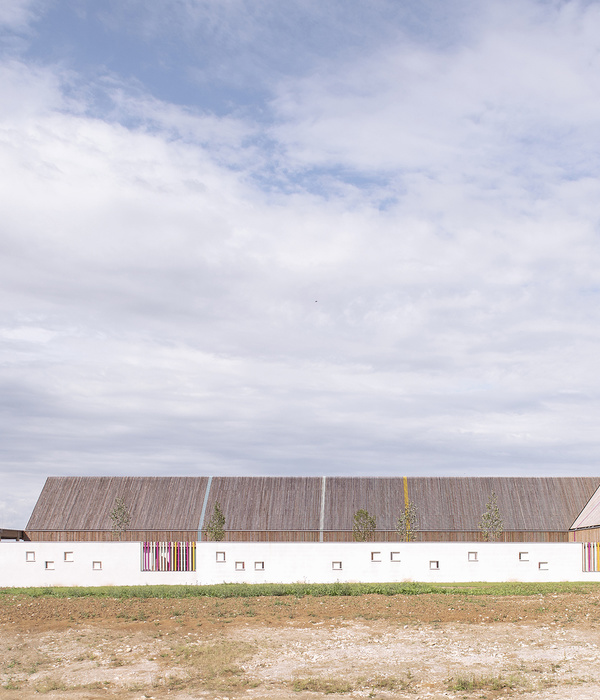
[221, 556]
[240, 566]
[543, 566]
[523, 556]
[394, 556]
[49, 565]
[97, 565]
[434, 565]
[29, 556]
[375, 556]
[473, 556]
[337, 565]
[259, 565]
[69, 556]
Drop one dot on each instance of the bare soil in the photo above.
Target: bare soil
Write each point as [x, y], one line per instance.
[427, 646]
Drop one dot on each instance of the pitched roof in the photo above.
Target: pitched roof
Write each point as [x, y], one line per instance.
[525, 503]
[85, 502]
[295, 503]
[457, 503]
[590, 515]
[267, 502]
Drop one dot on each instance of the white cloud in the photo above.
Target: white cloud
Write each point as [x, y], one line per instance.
[17, 14]
[519, 99]
[175, 299]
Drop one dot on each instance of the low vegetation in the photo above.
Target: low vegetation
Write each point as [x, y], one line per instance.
[243, 590]
[472, 683]
[337, 685]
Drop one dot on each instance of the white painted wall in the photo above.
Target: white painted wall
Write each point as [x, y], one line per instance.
[224, 562]
[119, 562]
[382, 562]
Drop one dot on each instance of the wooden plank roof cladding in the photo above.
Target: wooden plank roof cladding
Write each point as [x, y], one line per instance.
[525, 503]
[457, 503]
[382, 497]
[267, 502]
[84, 503]
[175, 503]
[288, 508]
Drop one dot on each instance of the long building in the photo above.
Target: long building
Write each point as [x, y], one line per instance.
[315, 509]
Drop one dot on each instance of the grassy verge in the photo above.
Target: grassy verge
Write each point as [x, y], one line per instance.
[243, 590]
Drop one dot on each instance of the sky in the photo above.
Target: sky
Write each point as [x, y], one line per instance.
[298, 238]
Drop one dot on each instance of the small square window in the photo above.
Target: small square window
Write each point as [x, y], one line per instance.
[336, 565]
[472, 556]
[97, 565]
[375, 556]
[29, 556]
[543, 566]
[259, 565]
[523, 556]
[49, 565]
[220, 556]
[69, 556]
[394, 556]
[240, 566]
[434, 564]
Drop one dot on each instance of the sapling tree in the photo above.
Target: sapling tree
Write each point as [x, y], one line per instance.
[491, 524]
[120, 518]
[408, 522]
[363, 526]
[215, 530]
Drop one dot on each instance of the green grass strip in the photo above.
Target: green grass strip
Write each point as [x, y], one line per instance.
[243, 590]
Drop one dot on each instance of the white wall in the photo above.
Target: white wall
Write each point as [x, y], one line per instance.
[292, 562]
[381, 562]
[119, 562]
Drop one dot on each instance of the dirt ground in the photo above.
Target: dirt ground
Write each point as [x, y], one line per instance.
[427, 646]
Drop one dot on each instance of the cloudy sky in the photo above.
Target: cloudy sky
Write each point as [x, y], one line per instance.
[262, 237]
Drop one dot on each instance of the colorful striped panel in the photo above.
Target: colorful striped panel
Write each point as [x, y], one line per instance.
[168, 556]
[591, 556]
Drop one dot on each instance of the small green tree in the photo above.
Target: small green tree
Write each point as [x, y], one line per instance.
[408, 522]
[120, 518]
[491, 524]
[215, 530]
[363, 527]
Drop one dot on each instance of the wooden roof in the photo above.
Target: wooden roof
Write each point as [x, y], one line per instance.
[382, 497]
[525, 503]
[295, 503]
[85, 502]
[267, 502]
[457, 503]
